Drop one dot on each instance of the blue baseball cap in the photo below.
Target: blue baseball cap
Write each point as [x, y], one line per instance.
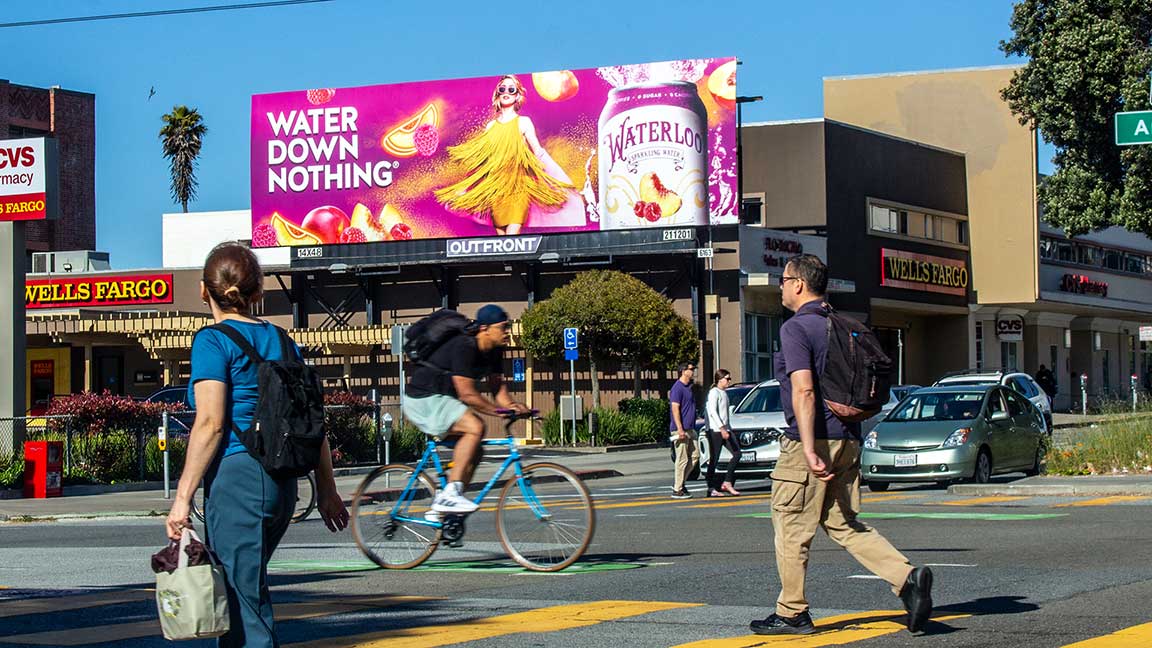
[491, 314]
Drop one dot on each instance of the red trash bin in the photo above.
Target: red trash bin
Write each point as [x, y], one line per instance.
[43, 468]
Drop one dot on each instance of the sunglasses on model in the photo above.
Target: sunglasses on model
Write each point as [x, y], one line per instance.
[511, 90]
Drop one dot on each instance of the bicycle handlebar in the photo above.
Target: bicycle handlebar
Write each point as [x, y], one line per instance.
[513, 415]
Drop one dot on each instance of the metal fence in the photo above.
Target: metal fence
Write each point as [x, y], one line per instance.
[359, 435]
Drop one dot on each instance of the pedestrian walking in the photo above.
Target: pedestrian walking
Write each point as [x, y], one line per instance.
[682, 430]
[816, 482]
[247, 510]
[720, 436]
[1047, 381]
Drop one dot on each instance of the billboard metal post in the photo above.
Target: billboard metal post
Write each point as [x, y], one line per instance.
[12, 340]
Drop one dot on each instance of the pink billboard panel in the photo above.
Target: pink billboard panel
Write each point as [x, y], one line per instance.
[612, 148]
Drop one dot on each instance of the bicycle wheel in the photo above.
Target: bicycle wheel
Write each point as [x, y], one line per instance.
[305, 497]
[546, 521]
[387, 517]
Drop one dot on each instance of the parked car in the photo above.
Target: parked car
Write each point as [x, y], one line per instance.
[180, 422]
[1017, 381]
[758, 423]
[896, 394]
[946, 433]
[736, 393]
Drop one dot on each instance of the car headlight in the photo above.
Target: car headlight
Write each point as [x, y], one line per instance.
[871, 441]
[957, 438]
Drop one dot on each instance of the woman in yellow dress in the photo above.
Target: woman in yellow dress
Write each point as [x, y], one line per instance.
[507, 171]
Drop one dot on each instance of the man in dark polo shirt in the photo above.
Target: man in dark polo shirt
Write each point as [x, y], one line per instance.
[816, 482]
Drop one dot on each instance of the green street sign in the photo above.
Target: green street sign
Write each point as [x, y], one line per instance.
[1134, 128]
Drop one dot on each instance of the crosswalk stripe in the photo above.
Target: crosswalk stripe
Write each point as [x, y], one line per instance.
[138, 629]
[549, 619]
[1138, 636]
[977, 501]
[39, 605]
[1104, 501]
[837, 630]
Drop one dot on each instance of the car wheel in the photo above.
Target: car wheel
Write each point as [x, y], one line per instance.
[983, 472]
[1035, 469]
[878, 487]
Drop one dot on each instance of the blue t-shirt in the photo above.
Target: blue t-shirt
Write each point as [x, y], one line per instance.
[682, 394]
[804, 345]
[215, 357]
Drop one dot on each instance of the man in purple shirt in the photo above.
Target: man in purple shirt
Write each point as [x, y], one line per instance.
[682, 428]
[816, 482]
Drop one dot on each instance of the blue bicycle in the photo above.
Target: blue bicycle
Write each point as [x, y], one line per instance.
[544, 516]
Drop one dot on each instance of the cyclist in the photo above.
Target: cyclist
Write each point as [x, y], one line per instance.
[444, 397]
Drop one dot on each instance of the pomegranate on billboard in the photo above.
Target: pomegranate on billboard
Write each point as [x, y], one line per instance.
[622, 147]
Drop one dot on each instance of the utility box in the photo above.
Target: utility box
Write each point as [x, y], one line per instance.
[566, 405]
[43, 468]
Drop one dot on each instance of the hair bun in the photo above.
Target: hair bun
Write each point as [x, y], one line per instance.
[232, 289]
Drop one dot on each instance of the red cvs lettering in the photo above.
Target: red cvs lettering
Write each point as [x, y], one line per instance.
[14, 157]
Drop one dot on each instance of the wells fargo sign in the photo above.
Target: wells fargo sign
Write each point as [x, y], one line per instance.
[104, 290]
[900, 269]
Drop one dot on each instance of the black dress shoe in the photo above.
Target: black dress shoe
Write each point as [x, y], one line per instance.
[917, 597]
[776, 624]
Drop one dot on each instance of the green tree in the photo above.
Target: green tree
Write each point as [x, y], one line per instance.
[619, 317]
[181, 137]
[1087, 60]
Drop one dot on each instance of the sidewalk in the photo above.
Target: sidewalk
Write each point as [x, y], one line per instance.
[90, 502]
[1056, 486]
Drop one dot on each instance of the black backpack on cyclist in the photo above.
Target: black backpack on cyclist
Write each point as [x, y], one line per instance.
[287, 428]
[425, 336]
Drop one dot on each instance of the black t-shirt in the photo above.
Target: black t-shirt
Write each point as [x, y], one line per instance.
[460, 356]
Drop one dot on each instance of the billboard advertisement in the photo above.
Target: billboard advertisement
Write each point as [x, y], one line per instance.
[612, 148]
[27, 176]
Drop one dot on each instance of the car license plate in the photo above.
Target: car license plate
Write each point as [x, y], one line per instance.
[904, 460]
[749, 456]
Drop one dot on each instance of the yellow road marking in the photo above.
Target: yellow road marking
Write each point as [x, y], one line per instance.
[44, 604]
[977, 501]
[885, 497]
[1135, 637]
[648, 501]
[832, 631]
[721, 502]
[1104, 501]
[549, 619]
[127, 631]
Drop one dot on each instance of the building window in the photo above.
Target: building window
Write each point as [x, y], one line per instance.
[761, 340]
[1009, 356]
[752, 210]
[918, 224]
[979, 346]
[1095, 256]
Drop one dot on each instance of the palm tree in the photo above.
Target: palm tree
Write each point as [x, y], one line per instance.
[182, 136]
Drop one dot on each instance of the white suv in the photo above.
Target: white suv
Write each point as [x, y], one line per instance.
[1017, 381]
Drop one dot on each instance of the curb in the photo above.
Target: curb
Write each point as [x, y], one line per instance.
[585, 475]
[1095, 422]
[1052, 490]
[594, 449]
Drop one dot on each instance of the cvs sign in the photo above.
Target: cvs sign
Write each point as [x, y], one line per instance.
[28, 179]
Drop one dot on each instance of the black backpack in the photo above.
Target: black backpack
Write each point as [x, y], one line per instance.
[857, 375]
[288, 425]
[423, 338]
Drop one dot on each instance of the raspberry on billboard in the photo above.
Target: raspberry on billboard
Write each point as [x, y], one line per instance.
[625, 147]
[27, 179]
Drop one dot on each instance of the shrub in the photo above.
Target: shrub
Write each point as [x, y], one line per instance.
[407, 443]
[351, 427]
[614, 427]
[94, 413]
[656, 410]
[1113, 447]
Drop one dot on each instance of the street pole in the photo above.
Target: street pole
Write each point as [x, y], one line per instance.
[164, 441]
[572, 375]
[12, 338]
[376, 422]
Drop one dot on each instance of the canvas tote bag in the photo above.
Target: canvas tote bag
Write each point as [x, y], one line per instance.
[192, 601]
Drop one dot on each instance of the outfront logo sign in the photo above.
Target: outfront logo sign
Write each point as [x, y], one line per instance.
[105, 290]
[24, 181]
[911, 271]
[493, 246]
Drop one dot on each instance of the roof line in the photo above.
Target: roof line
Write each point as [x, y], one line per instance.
[779, 122]
[863, 129]
[1010, 66]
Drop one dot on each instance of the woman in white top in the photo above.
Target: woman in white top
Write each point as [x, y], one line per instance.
[720, 435]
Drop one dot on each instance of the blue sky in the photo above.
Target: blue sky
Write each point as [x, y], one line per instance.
[216, 61]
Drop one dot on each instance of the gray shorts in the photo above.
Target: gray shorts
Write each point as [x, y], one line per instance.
[435, 414]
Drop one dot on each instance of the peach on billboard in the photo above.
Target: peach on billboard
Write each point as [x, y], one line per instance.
[624, 147]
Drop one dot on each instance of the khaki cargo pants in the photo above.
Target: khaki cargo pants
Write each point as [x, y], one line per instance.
[801, 503]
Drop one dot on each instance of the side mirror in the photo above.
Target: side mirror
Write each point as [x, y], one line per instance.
[998, 416]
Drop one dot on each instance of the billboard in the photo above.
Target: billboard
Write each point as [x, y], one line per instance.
[27, 179]
[625, 147]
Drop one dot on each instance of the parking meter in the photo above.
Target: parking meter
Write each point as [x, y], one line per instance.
[387, 430]
[1084, 393]
[1135, 394]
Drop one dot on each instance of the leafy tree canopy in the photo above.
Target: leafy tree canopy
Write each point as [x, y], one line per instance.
[1087, 60]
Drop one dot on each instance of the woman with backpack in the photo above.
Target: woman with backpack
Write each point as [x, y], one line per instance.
[720, 436]
[247, 509]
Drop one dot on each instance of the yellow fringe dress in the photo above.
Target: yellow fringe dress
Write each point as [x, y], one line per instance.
[503, 177]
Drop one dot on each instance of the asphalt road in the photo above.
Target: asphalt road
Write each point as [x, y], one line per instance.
[1028, 571]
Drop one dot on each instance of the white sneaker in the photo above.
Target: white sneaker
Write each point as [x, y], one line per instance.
[431, 516]
[451, 502]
